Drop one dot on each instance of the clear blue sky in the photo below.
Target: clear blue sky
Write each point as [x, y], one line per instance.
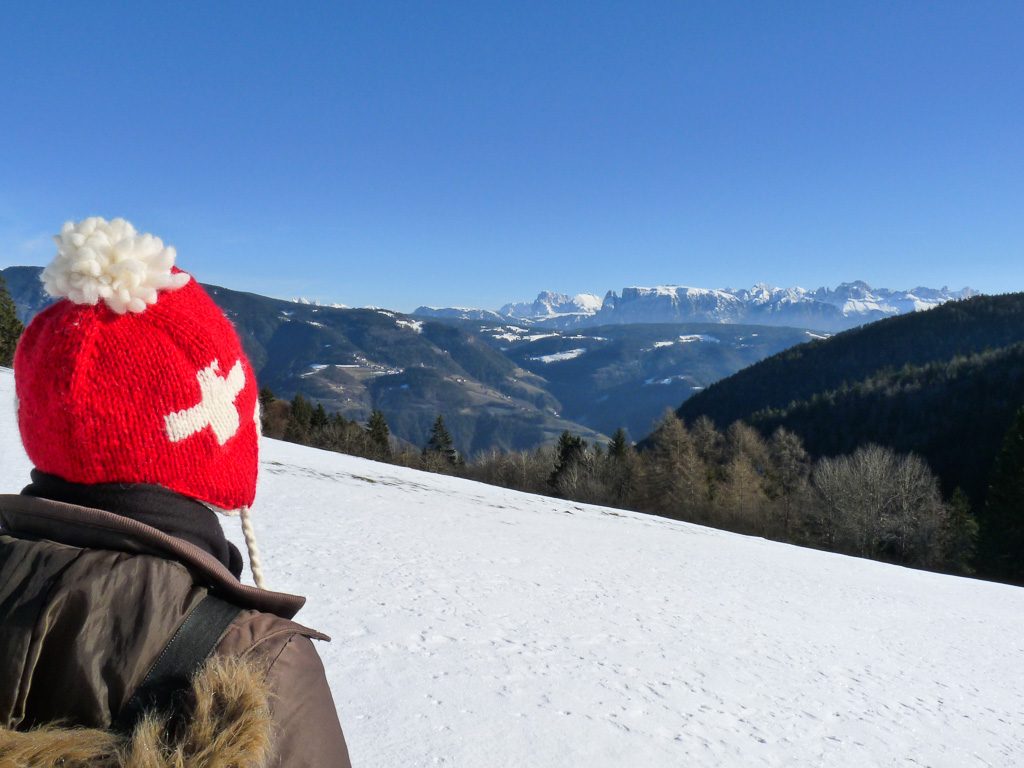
[470, 153]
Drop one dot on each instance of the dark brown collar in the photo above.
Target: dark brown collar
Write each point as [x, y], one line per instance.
[95, 529]
[163, 509]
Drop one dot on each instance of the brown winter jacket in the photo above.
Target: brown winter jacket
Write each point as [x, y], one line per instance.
[89, 599]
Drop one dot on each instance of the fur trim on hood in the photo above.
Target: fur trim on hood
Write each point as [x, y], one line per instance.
[230, 727]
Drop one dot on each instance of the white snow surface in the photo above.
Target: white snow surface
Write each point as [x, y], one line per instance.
[479, 627]
[412, 325]
[315, 303]
[688, 339]
[558, 357]
[677, 291]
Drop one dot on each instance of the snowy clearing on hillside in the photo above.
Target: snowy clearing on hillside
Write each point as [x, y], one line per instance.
[512, 333]
[558, 357]
[688, 339]
[483, 628]
[412, 325]
[696, 337]
[668, 380]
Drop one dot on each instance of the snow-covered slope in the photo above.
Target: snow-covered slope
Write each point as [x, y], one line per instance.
[478, 627]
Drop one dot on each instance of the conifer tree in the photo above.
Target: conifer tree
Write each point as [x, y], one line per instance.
[676, 483]
[379, 434]
[960, 537]
[302, 411]
[440, 445]
[740, 501]
[788, 473]
[1002, 528]
[266, 397]
[299, 420]
[319, 418]
[622, 469]
[10, 326]
[707, 440]
[570, 457]
[619, 445]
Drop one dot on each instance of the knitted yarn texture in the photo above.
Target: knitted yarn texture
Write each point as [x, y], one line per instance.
[137, 376]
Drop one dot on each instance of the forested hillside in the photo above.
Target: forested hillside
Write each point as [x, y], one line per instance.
[937, 382]
[955, 329]
[944, 384]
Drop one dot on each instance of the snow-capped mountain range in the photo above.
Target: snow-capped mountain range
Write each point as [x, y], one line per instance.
[827, 309]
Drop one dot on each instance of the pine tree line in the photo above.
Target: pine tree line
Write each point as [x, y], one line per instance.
[299, 421]
[873, 503]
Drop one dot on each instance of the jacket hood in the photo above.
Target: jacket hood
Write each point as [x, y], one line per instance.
[229, 727]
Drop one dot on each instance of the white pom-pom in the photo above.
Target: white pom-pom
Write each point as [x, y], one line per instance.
[99, 260]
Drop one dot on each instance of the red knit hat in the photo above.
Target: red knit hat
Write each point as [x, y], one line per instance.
[136, 376]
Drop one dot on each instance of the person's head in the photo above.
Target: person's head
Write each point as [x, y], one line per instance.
[134, 375]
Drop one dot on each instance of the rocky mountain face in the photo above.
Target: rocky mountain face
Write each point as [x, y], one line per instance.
[824, 309]
[549, 304]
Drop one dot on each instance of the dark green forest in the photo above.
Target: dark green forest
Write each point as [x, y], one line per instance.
[944, 385]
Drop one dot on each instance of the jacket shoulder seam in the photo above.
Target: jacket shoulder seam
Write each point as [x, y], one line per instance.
[295, 629]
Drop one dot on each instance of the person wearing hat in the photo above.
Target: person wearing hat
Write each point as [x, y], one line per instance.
[126, 635]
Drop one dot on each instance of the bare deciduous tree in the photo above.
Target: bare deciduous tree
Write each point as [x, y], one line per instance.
[876, 503]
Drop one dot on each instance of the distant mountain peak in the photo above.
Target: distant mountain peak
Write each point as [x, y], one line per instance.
[826, 309]
[550, 304]
[460, 313]
[315, 303]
